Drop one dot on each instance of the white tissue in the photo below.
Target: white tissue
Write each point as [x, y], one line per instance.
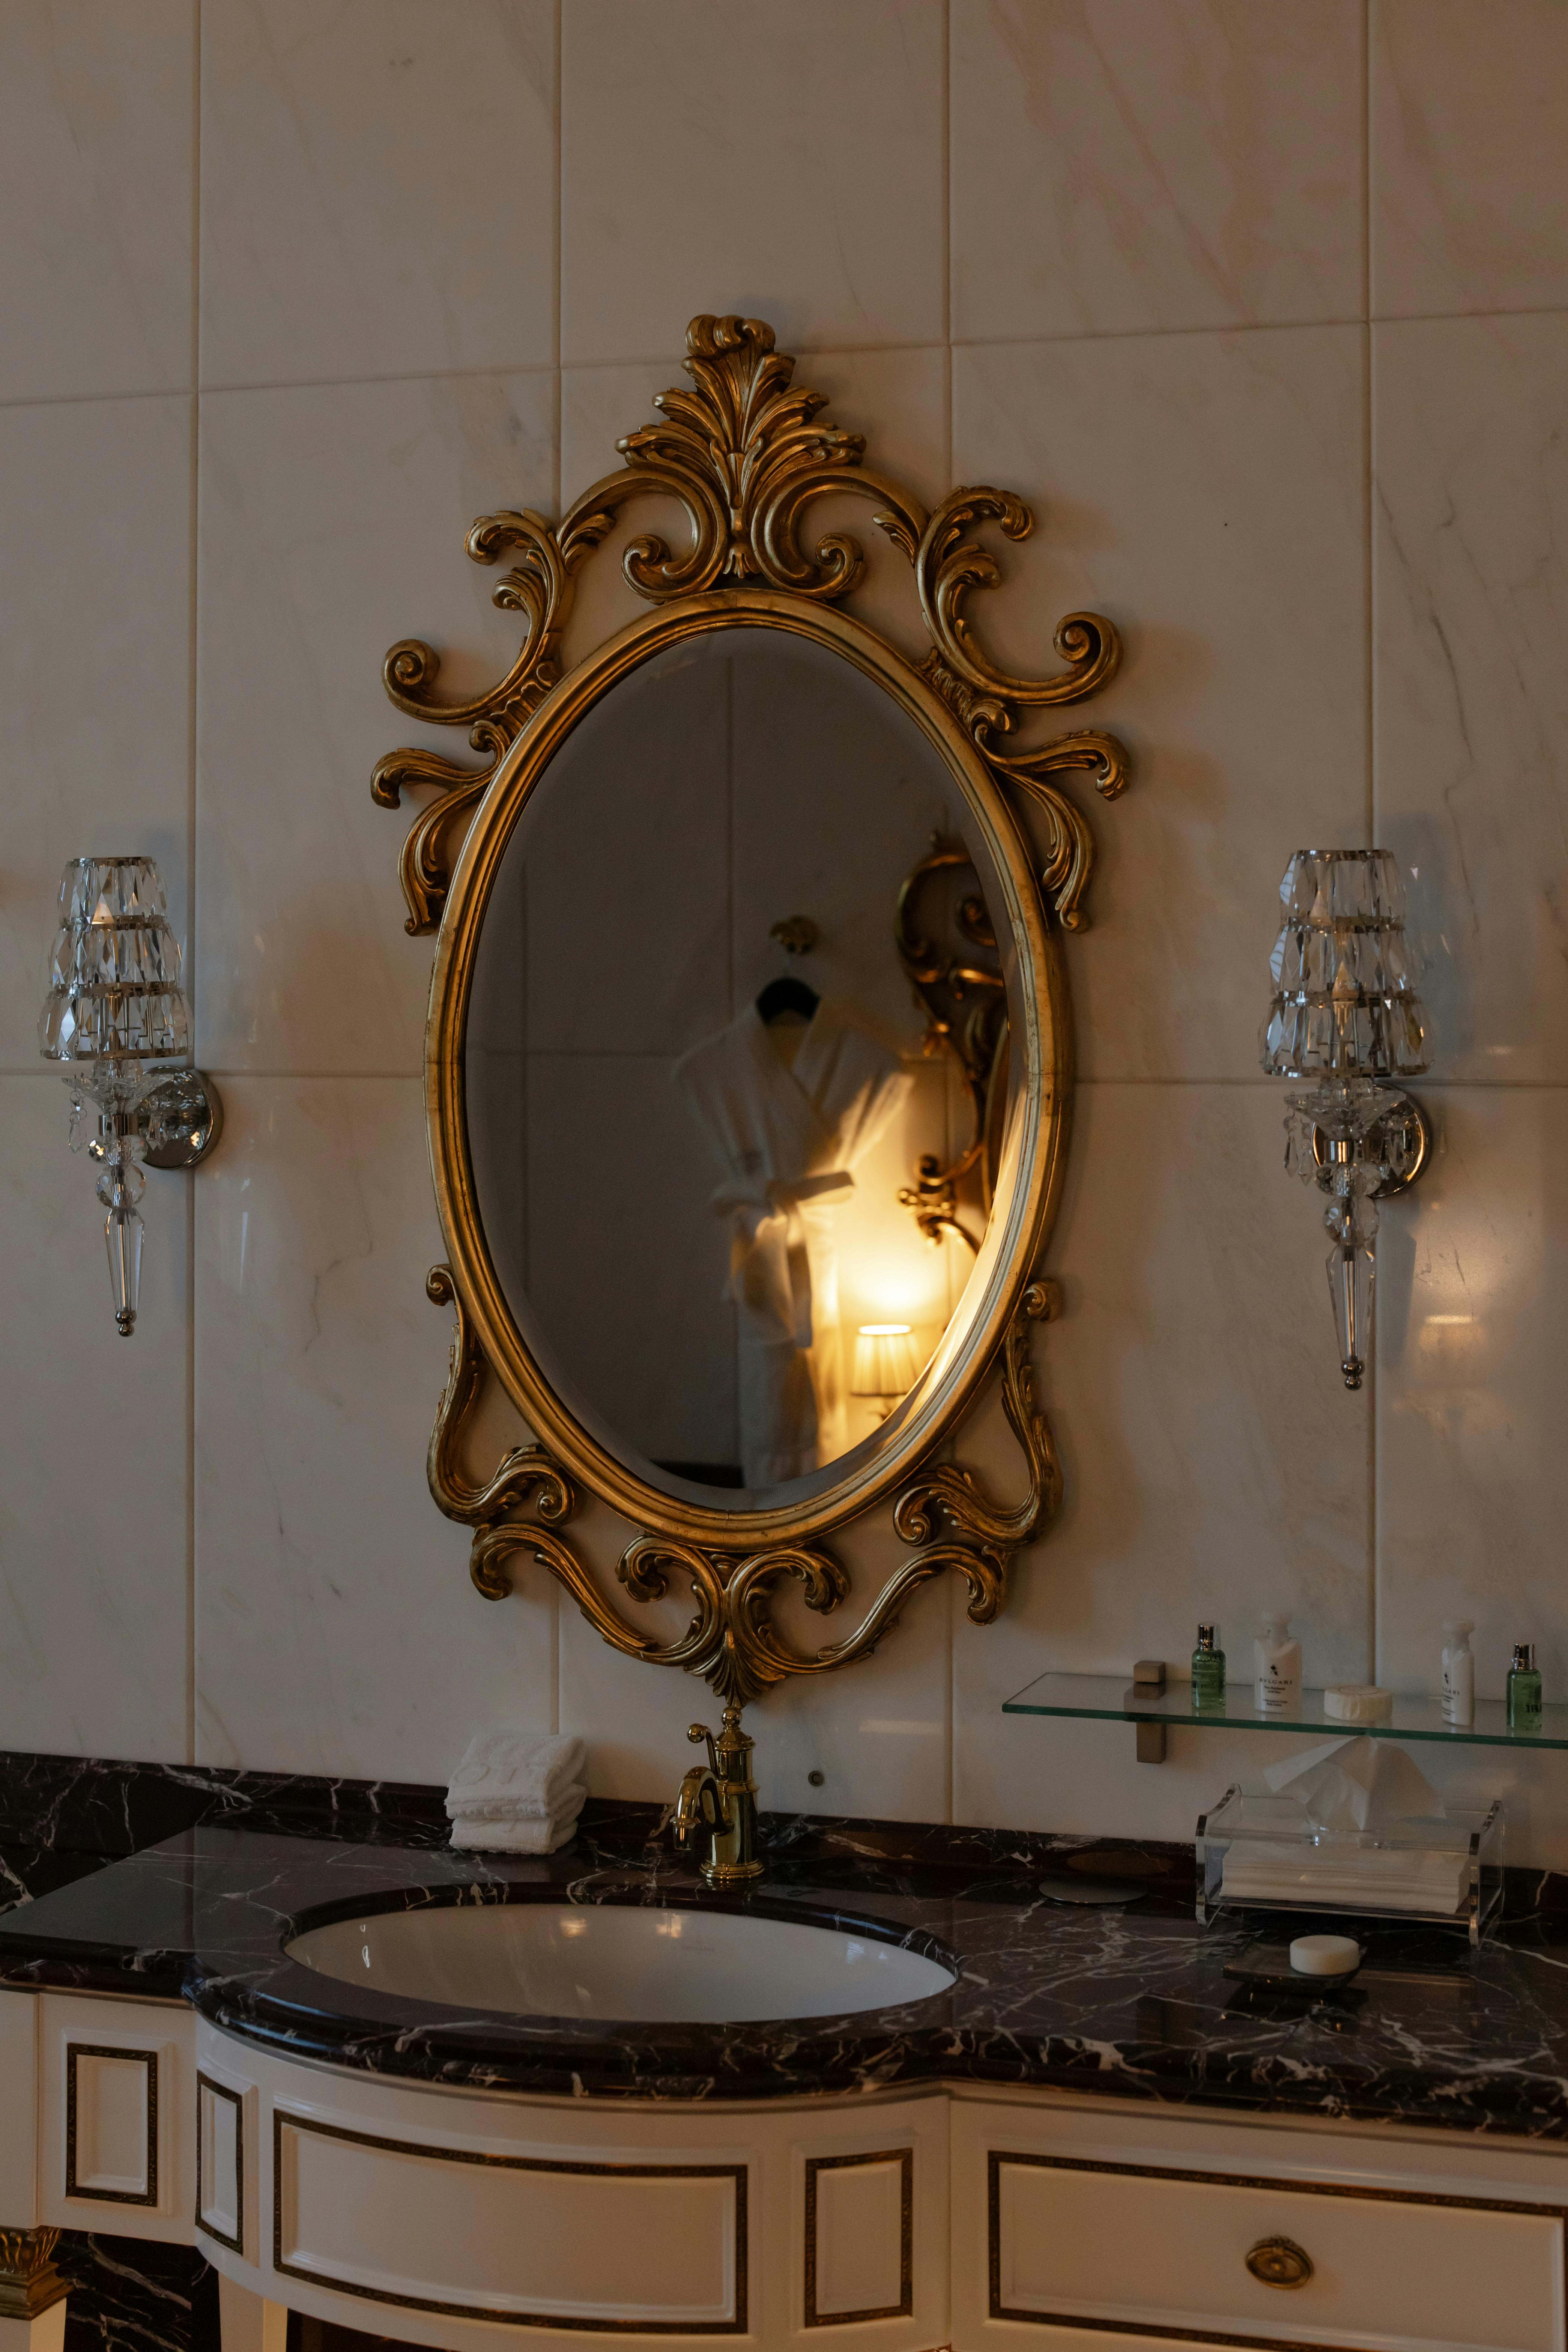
[509, 1775]
[1356, 1784]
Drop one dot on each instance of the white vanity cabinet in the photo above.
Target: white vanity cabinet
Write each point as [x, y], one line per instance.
[910, 2220]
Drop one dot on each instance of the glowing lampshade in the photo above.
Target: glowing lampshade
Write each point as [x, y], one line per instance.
[885, 1360]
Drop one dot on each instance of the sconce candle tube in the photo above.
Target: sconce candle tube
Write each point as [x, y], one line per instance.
[123, 1236]
[1353, 1273]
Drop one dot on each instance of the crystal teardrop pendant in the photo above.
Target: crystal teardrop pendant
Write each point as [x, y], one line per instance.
[1351, 1221]
[119, 1188]
[1352, 1271]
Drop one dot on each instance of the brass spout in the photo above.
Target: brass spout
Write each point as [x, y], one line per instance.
[717, 1807]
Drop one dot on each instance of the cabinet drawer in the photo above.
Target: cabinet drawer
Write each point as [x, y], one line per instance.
[1136, 2247]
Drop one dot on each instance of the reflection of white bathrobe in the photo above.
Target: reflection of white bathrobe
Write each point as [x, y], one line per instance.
[789, 1139]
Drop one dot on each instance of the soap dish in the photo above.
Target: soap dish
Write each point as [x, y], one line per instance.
[1269, 1965]
[1093, 1893]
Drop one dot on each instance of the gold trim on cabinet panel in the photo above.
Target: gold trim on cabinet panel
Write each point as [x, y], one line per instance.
[997, 2158]
[147, 2058]
[236, 2099]
[905, 2159]
[737, 2173]
[741, 454]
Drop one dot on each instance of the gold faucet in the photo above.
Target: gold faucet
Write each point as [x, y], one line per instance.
[718, 1802]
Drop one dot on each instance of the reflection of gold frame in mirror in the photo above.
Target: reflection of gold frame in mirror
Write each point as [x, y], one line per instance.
[966, 1005]
[743, 456]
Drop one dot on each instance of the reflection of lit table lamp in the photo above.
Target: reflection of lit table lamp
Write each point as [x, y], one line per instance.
[885, 1364]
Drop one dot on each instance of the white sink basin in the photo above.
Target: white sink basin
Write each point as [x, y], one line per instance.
[551, 1960]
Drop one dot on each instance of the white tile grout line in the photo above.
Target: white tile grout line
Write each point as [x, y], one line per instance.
[18, 1071]
[941, 489]
[191, 899]
[1373, 1415]
[559, 240]
[837, 350]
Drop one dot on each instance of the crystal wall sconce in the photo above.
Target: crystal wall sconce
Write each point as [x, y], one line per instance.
[115, 1014]
[1346, 1015]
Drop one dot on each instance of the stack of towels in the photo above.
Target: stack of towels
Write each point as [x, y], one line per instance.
[515, 1793]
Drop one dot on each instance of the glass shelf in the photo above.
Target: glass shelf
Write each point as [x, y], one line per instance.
[1110, 1698]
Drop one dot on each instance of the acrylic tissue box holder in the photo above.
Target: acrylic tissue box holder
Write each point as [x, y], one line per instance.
[1263, 1853]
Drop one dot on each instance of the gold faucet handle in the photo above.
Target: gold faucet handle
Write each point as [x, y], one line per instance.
[696, 1731]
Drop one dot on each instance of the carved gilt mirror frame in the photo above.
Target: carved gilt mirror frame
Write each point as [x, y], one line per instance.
[742, 453]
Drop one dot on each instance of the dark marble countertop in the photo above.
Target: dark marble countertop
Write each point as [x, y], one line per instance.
[1128, 2002]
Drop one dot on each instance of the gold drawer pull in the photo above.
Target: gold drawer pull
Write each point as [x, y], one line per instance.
[1279, 2262]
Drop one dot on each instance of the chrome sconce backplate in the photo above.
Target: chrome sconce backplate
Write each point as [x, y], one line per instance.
[1401, 1142]
[181, 1119]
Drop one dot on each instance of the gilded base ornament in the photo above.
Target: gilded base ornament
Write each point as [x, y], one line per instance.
[732, 1641]
[29, 2282]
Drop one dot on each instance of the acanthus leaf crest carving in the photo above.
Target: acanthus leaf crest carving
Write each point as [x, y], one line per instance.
[743, 453]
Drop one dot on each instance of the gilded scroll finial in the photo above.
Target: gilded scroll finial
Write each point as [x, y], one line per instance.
[742, 453]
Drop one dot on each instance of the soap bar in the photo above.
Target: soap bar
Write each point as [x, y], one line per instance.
[1324, 1956]
[1357, 1703]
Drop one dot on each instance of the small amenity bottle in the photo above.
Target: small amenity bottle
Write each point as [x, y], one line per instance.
[1208, 1671]
[1523, 1689]
[1277, 1660]
[1458, 1672]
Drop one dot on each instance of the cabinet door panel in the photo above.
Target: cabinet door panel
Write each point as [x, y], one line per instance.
[114, 2131]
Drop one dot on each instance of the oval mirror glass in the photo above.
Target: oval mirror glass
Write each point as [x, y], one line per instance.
[698, 1074]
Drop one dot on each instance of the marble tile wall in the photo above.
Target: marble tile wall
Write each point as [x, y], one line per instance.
[1265, 311]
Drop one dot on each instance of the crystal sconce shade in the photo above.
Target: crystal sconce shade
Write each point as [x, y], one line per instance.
[114, 1013]
[1346, 1014]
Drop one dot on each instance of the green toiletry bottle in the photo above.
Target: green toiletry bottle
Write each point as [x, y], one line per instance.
[1208, 1671]
[1524, 1689]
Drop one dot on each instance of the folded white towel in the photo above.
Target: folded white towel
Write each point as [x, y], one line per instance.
[519, 1836]
[513, 1776]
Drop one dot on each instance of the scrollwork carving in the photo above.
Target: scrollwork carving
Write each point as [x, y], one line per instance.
[732, 1641]
[526, 1471]
[742, 453]
[956, 1495]
[539, 586]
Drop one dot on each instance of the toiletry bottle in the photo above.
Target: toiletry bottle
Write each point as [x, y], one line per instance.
[1208, 1670]
[1458, 1672]
[1524, 1689]
[1278, 1660]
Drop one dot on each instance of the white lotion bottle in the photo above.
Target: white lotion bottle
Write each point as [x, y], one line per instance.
[1458, 1671]
[1276, 1658]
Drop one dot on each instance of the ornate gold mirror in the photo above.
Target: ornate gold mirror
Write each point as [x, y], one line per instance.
[677, 1075]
